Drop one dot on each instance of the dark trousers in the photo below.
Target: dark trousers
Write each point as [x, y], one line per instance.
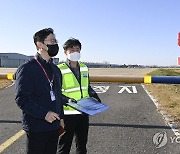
[42, 143]
[77, 125]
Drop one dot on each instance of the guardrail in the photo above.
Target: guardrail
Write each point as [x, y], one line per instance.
[123, 79]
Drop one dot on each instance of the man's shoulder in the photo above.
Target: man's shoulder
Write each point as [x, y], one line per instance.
[82, 64]
[55, 68]
[25, 66]
[62, 65]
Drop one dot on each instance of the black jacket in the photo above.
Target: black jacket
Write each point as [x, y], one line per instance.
[33, 95]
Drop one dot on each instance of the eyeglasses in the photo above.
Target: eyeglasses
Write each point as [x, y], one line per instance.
[53, 41]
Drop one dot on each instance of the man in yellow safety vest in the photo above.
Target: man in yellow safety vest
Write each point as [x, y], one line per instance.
[75, 86]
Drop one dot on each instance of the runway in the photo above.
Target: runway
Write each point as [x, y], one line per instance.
[103, 71]
[130, 125]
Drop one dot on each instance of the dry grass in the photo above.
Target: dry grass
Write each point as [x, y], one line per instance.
[177, 70]
[168, 97]
[4, 83]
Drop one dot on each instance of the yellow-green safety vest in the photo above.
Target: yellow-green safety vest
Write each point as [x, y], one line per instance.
[71, 87]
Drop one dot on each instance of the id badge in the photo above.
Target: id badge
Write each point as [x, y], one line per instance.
[53, 98]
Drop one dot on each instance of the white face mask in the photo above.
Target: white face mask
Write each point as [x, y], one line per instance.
[75, 56]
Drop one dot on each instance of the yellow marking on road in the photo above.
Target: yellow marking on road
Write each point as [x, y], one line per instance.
[11, 140]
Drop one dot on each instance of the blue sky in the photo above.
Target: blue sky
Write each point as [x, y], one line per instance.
[142, 32]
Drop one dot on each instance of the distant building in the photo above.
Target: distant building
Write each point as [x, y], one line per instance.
[14, 60]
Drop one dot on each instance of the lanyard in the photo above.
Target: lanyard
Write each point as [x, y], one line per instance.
[50, 81]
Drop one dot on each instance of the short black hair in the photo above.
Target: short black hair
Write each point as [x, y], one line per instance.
[71, 42]
[41, 35]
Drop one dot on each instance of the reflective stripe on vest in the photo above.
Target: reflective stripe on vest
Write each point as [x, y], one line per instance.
[71, 87]
[64, 71]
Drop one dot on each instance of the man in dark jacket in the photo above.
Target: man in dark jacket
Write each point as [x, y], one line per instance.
[38, 95]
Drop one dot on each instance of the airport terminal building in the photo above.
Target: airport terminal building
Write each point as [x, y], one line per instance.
[14, 60]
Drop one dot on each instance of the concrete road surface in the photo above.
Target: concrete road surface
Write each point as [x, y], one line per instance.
[132, 124]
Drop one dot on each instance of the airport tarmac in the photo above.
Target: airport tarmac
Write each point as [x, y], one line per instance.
[131, 125]
[103, 71]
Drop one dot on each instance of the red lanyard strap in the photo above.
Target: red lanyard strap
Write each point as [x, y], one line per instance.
[50, 81]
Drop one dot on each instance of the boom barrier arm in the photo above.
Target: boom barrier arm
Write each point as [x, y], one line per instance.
[145, 79]
[9, 76]
[123, 79]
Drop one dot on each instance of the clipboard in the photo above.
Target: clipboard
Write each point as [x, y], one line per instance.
[89, 106]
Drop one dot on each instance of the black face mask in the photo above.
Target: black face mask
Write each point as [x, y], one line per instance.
[52, 49]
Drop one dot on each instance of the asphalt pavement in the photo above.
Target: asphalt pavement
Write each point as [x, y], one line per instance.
[131, 125]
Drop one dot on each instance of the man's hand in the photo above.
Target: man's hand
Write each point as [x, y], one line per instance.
[62, 123]
[51, 116]
[72, 100]
[97, 99]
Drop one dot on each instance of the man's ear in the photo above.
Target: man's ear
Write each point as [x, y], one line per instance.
[65, 51]
[39, 45]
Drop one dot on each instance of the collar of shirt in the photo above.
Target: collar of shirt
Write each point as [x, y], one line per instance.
[68, 63]
[42, 61]
[76, 70]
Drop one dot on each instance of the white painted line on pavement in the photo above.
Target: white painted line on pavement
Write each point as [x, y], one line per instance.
[10, 85]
